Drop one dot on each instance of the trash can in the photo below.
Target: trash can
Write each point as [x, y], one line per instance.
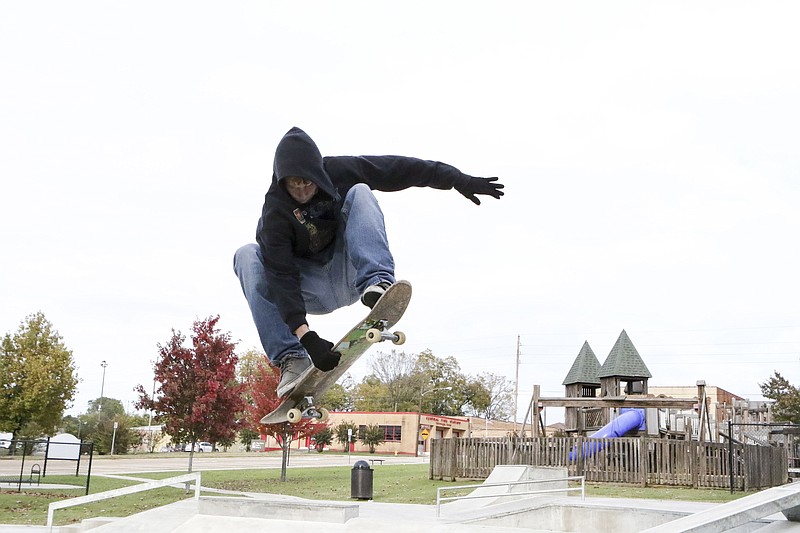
[361, 481]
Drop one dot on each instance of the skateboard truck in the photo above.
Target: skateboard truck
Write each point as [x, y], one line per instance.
[309, 410]
[379, 334]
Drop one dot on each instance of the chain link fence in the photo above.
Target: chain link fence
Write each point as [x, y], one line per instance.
[780, 434]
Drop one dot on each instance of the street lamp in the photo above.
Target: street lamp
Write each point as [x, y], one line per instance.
[419, 415]
[102, 383]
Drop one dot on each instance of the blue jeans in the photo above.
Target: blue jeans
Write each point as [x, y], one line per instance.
[361, 258]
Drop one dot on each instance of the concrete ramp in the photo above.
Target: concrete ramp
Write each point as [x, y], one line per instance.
[490, 495]
[726, 516]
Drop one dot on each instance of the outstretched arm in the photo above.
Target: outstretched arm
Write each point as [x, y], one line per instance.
[395, 173]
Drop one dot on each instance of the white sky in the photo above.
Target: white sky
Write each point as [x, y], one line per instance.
[649, 153]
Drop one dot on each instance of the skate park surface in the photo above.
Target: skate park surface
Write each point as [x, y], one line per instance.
[766, 511]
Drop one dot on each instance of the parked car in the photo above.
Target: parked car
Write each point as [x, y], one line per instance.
[201, 447]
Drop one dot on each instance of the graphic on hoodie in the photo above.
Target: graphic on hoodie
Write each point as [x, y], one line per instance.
[319, 219]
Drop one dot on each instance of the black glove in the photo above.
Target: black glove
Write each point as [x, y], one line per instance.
[480, 186]
[320, 351]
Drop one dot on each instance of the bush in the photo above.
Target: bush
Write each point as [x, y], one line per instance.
[373, 436]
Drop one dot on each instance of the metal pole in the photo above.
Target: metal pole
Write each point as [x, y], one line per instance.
[89, 472]
[114, 438]
[730, 451]
[419, 420]
[516, 388]
[103, 382]
[22, 465]
[150, 419]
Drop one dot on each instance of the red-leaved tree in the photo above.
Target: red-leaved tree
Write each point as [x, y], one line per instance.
[197, 396]
[261, 386]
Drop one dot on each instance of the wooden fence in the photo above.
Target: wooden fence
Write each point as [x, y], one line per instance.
[634, 460]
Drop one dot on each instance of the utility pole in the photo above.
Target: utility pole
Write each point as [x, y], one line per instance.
[102, 383]
[516, 387]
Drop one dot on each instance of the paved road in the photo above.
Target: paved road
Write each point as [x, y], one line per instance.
[202, 461]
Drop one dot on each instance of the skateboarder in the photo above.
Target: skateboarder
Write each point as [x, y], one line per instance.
[322, 244]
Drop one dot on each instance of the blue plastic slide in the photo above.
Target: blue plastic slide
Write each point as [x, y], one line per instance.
[629, 419]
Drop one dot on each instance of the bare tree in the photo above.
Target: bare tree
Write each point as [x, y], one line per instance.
[398, 371]
[498, 404]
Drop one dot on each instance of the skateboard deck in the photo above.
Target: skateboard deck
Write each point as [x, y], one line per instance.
[299, 403]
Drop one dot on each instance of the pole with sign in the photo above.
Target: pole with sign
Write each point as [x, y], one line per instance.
[114, 437]
[349, 441]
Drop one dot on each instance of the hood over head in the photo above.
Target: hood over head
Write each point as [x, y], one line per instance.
[298, 155]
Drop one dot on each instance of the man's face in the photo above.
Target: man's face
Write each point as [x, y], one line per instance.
[301, 190]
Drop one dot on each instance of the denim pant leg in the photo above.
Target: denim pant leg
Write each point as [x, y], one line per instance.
[361, 257]
[276, 338]
[365, 238]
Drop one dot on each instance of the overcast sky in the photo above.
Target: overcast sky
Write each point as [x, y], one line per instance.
[649, 152]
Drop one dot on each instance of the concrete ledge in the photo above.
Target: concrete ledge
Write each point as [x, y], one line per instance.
[88, 524]
[729, 515]
[305, 510]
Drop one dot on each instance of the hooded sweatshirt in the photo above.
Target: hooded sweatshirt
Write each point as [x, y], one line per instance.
[288, 230]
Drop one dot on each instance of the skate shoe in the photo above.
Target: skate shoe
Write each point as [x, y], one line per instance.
[374, 293]
[294, 368]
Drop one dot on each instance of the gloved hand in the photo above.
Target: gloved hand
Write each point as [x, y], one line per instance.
[320, 351]
[480, 186]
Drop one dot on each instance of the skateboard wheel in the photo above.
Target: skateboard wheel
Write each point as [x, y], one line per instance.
[373, 335]
[399, 338]
[323, 415]
[294, 416]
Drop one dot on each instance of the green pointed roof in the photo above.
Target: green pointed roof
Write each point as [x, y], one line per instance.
[585, 368]
[624, 361]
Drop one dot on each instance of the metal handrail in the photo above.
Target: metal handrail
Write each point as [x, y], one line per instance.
[194, 476]
[440, 499]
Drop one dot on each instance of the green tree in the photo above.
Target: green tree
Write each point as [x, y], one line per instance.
[342, 434]
[97, 425]
[247, 436]
[250, 363]
[337, 398]
[371, 395]
[323, 437]
[37, 378]
[372, 436]
[71, 424]
[786, 396]
[408, 382]
[491, 396]
[400, 374]
[445, 375]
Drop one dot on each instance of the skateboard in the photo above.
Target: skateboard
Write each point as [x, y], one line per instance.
[388, 310]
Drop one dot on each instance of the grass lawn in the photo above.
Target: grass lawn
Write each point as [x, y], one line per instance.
[391, 483]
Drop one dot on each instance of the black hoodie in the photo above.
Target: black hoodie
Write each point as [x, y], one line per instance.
[288, 230]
